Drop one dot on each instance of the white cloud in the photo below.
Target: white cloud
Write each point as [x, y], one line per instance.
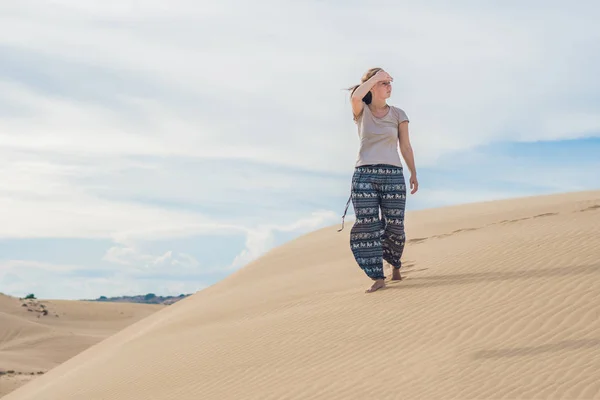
[151, 262]
[271, 90]
[257, 243]
[89, 217]
[20, 264]
[64, 195]
[261, 238]
[129, 256]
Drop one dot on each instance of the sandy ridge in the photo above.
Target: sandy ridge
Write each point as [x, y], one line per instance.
[500, 300]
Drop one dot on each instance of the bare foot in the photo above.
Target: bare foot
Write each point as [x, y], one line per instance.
[379, 284]
[396, 275]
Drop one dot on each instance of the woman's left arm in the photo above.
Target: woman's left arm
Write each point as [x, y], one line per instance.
[407, 154]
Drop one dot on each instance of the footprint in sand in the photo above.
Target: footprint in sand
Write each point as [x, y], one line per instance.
[545, 215]
[594, 207]
[465, 230]
[442, 235]
[508, 221]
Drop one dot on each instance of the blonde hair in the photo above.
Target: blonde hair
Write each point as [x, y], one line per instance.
[366, 76]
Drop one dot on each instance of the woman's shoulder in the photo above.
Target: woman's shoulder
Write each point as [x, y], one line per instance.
[399, 113]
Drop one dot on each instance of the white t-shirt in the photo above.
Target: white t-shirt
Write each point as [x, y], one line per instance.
[379, 137]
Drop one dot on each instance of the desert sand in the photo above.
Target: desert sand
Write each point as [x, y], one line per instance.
[500, 300]
[37, 335]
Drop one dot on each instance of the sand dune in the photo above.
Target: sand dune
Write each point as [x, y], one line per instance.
[501, 300]
[37, 335]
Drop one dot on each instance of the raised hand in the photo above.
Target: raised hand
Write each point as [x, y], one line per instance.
[381, 76]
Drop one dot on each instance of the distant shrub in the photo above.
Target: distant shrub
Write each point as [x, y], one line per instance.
[30, 296]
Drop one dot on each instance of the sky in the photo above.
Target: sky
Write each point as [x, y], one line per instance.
[157, 147]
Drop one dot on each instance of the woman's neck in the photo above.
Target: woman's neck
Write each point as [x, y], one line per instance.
[378, 104]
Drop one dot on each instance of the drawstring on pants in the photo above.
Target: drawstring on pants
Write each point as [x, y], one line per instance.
[355, 178]
[345, 211]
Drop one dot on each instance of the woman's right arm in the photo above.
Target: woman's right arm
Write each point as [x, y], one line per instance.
[359, 93]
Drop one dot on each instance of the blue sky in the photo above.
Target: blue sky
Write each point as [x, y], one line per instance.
[158, 146]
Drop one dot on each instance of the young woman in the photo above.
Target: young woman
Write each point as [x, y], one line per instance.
[378, 181]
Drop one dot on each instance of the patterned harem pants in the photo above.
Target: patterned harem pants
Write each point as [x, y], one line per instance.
[374, 238]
